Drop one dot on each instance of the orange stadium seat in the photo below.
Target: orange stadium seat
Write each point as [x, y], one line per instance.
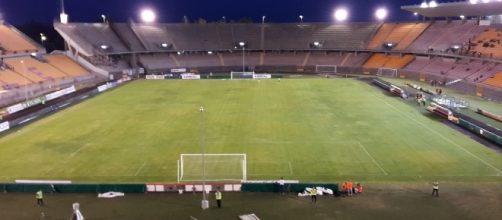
[489, 43]
[66, 65]
[13, 42]
[12, 78]
[496, 80]
[382, 61]
[401, 34]
[34, 70]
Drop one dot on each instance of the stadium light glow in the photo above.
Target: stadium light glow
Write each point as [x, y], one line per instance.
[433, 4]
[301, 18]
[473, 2]
[381, 14]
[148, 15]
[341, 14]
[424, 5]
[485, 1]
[415, 13]
[462, 17]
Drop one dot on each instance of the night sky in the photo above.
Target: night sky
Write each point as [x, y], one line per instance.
[45, 11]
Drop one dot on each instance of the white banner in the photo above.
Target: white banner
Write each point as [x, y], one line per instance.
[190, 76]
[4, 126]
[180, 70]
[60, 93]
[262, 76]
[15, 108]
[155, 77]
[102, 88]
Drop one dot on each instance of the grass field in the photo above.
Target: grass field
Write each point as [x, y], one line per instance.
[309, 129]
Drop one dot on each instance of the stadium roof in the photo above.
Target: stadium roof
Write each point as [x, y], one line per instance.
[455, 9]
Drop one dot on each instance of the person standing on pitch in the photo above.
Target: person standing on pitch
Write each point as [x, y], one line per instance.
[218, 198]
[313, 194]
[40, 198]
[435, 188]
[281, 185]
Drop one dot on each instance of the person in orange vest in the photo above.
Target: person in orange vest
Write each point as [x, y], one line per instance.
[344, 188]
[349, 188]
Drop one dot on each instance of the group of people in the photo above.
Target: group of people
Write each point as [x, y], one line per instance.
[350, 189]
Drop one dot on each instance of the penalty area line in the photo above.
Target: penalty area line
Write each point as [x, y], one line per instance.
[372, 158]
[140, 169]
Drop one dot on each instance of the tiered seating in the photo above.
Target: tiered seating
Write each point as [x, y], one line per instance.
[11, 41]
[391, 61]
[496, 80]
[489, 43]
[66, 65]
[198, 60]
[90, 37]
[401, 34]
[34, 70]
[287, 59]
[12, 79]
[157, 61]
[441, 35]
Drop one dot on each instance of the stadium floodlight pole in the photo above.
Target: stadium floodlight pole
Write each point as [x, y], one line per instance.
[205, 202]
[301, 18]
[263, 19]
[104, 18]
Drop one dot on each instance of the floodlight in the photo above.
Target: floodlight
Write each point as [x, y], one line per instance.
[424, 5]
[433, 4]
[242, 44]
[210, 52]
[164, 45]
[462, 17]
[316, 43]
[381, 13]
[415, 13]
[104, 47]
[148, 15]
[485, 1]
[473, 1]
[341, 14]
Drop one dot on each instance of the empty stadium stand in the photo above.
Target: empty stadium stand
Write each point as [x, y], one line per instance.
[495, 80]
[380, 60]
[401, 34]
[442, 35]
[12, 41]
[488, 43]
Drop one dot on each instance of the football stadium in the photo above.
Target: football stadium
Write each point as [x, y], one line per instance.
[285, 120]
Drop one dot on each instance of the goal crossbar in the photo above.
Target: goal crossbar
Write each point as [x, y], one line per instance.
[217, 167]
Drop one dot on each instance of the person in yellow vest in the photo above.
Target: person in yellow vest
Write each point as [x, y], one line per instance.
[313, 194]
[218, 198]
[40, 198]
[435, 188]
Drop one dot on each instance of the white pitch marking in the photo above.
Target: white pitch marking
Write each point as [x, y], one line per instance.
[78, 150]
[440, 135]
[290, 168]
[140, 169]
[372, 158]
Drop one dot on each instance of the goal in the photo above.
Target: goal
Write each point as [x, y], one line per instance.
[387, 72]
[242, 75]
[326, 69]
[218, 167]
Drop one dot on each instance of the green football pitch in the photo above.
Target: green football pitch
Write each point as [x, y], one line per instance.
[319, 130]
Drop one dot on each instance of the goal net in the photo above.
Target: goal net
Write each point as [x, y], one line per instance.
[326, 69]
[217, 167]
[242, 75]
[387, 72]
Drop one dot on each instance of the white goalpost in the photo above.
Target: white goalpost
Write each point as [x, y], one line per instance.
[218, 167]
[326, 68]
[242, 75]
[387, 72]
